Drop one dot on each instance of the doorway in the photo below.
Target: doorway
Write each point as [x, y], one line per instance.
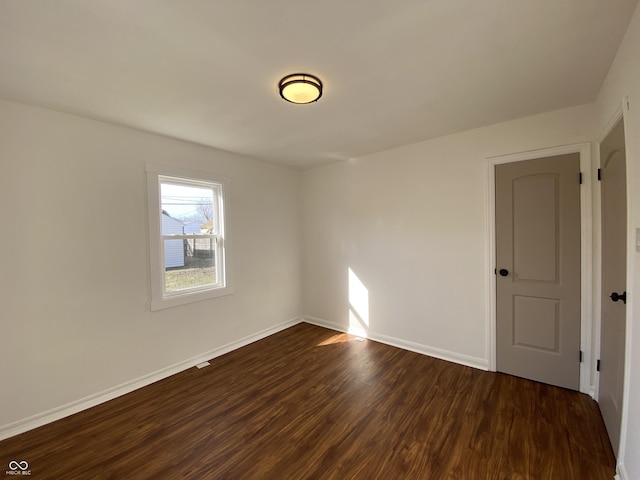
[546, 341]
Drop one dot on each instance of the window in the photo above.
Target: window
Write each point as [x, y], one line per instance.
[188, 236]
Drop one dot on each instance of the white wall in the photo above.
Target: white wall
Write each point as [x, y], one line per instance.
[74, 296]
[412, 224]
[623, 80]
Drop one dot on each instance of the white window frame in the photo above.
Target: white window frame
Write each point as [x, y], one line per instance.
[161, 299]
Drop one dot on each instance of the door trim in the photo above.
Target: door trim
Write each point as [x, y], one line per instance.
[586, 254]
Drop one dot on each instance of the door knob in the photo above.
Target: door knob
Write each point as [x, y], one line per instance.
[615, 296]
[503, 272]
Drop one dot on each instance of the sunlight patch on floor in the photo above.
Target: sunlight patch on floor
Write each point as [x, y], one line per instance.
[339, 338]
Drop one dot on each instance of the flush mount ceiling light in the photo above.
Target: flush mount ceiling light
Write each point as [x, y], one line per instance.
[300, 88]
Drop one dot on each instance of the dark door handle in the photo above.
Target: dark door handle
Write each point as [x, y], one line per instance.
[615, 296]
[503, 272]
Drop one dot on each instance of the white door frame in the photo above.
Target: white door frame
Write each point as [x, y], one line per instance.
[586, 254]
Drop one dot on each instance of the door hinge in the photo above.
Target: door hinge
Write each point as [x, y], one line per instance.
[580, 356]
[580, 178]
[598, 365]
[599, 174]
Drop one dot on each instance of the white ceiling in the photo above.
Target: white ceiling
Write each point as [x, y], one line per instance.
[395, 71]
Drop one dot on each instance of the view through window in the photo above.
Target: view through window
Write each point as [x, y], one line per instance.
[190, 235]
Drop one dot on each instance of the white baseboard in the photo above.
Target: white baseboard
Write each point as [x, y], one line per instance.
[57, 413]
[467, 360]
[622, 473]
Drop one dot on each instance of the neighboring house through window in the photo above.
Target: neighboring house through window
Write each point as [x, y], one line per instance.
[188, 236]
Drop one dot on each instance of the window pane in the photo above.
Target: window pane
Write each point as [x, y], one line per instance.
[189, 264]
[187, 208]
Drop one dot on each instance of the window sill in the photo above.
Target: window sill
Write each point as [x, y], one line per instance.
[186, 298]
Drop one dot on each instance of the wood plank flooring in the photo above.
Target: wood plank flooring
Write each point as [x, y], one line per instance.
[312, 403]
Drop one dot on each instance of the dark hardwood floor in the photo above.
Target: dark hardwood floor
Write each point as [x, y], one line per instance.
[311, 403]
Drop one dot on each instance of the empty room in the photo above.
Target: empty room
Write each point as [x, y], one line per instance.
[320, 240]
